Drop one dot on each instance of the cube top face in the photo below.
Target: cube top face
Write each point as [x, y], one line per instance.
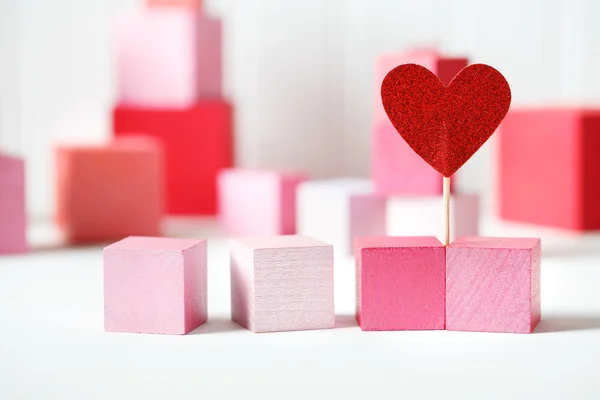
[279, 242]
[496, 243]
[131, 144]
[155, 243]
[251, 173]
[387, 242]
[12, 171]
[188, 4]
[342, 186]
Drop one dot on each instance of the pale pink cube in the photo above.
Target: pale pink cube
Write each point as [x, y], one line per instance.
[445, 67]
[258, 202]
[493, 284]
[155, 285]
[400, 283]
[167, 57]
[13, 219]
[282, 283]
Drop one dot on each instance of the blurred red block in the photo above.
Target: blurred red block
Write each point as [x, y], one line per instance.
[107, 192]
[550, 169]
[198, 143]
[13, 218]
[191, 4]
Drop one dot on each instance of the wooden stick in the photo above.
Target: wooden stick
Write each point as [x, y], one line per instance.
[446, 211]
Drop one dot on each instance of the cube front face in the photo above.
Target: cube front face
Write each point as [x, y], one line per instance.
[400, 284]
[198, 143]
[108, 192]
[13, 218]
[493, 285]
[282, 288]
[549, 168]
[149, 289]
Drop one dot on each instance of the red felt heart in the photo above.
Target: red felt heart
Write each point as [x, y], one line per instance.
[445, 125]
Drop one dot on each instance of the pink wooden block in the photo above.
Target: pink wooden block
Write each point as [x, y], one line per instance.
[282, 283]
[168, 57]
[493, 285]
[400, 283]
[188, 4]
[155, 285]
[107, 192]
[13, 220]
[258, 202]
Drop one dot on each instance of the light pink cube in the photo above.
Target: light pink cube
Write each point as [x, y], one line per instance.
[258, 202]
[443, 66]
[168, 57]
[155, 285]
[400, 283]
[493, 285]
[13, 220]
[282, 283]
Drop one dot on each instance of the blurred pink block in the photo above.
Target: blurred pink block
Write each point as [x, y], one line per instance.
[443, 66]
[258, 202]
[13, 220]
[155, 285]
[400, 283]
[398, 170]
[493, 285]
[107, 192]
[168, 57]
[189, 4]
[282, 283]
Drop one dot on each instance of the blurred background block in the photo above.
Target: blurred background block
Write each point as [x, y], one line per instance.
[493, 285]
[198, 143]
[107, 192]
[338, 210]
[13, 219]
[155, 285]
[401, 283]
[282, 283]
[550, 168]
[258, 202]
[189, 4]
[424, 216]
[167, 57]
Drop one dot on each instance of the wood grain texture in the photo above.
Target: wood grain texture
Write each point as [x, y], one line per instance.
[155, 285]
[338, 210]
[282, 283]
[255, 202]
[493, 285]
[107, 192]
[400, 283]
[13, 218]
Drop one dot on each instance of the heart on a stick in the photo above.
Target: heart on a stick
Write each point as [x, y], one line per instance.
[445, 125]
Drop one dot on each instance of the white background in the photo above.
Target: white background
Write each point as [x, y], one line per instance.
[299, 72]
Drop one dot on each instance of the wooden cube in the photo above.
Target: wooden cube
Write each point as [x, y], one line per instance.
[258, 202]
[549, 168]
[167, 57]
[282, 283]
[155, 285]
[13, 218]
[187, 4]
[338, 210]
[425, 216]
[400, 283]
[493, 285]
[198, 143]
[110, 191]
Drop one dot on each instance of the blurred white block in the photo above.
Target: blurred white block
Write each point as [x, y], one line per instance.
[424, 216]
[338, 210]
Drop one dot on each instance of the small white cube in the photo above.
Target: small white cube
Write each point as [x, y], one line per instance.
[424, 216]
[282, 283]
[338, 210]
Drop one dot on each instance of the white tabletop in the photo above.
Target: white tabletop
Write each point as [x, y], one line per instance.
[52, 343]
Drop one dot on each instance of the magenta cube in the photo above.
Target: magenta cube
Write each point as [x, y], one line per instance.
[400, 283]
[256, 202]
[493, 285]
[13, 218]
[168, 57]
[155, 285]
